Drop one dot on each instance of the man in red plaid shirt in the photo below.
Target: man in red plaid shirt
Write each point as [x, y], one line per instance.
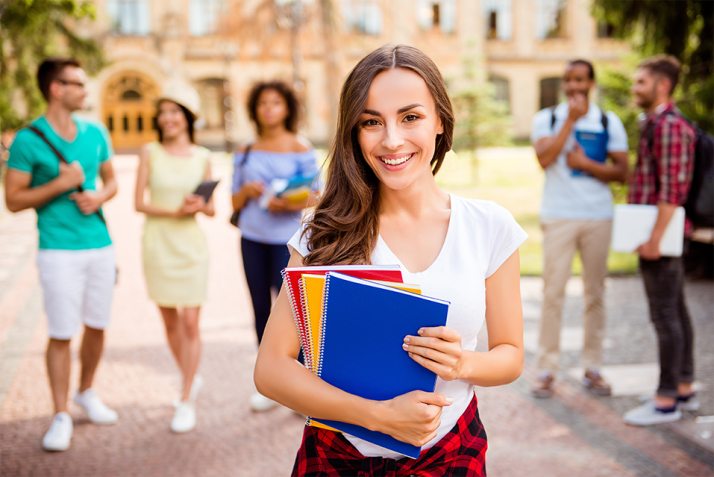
[662, 177]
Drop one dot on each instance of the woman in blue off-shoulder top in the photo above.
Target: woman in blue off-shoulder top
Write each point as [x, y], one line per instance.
[268, 222]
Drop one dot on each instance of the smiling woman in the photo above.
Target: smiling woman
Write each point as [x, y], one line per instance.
[382, 205]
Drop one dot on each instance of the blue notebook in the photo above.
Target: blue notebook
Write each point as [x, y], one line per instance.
[363, 329]
[594, 145]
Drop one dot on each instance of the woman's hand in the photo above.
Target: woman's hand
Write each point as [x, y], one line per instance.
[192, 204]
[254, 189]
[279, 206]
[413, 417]
[437, 349]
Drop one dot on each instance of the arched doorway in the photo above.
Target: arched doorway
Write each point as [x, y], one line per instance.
[129, 109]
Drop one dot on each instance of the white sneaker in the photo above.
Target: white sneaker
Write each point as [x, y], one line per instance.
[689, 404]
[647, 415]
[96, 410]
[259, 403]
[59, 436]
[184, 418]
[195, 388]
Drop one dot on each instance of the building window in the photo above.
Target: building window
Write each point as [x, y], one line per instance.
[212, 93]
[437, 14]
[550, 19]
[204, 16]
[499, 19]
[605, 30]
[129, 17]
[502, 89]
[549, 92]
[363, 16]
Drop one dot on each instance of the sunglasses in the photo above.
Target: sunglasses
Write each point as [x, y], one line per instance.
[73, 83]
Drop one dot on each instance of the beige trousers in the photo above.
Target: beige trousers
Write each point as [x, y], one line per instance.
[561, 237]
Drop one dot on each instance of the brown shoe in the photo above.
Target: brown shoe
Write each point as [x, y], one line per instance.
[543, 387]
[595, 383]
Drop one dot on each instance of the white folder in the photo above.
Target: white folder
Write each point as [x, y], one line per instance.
[632, 226]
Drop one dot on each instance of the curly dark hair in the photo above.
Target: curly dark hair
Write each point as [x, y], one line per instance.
[282, 88]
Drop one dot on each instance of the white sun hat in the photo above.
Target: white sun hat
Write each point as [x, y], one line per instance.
[182, 93]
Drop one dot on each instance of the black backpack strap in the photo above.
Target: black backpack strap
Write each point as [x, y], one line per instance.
[63, 160]
[651, 130]
[552, 117]
[604, 121]
[245, 154]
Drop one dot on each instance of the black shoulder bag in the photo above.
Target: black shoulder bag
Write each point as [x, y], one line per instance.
[235, 217]
[62, 159]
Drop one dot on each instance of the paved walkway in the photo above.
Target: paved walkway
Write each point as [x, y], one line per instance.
[571, 434]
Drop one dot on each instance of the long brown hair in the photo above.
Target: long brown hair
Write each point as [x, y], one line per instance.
[345, 225]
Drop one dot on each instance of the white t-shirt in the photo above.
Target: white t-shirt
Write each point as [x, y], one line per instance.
[582, 197]
[480, 237]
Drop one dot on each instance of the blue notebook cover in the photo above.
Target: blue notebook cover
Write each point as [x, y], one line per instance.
[594, 145]
[364, 325]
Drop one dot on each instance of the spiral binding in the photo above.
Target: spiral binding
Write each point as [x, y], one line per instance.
[301, 331]
[306, 322]
[325, 294]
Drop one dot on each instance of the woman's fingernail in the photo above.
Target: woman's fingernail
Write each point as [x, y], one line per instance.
[421, 331]
[449, 400]
[406, 340]
[405, 346]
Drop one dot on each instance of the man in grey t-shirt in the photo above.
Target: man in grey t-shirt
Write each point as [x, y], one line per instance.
[581, 149]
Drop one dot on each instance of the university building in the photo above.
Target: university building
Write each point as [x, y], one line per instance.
[223, 46]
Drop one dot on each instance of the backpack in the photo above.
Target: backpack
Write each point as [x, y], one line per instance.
[699, 205]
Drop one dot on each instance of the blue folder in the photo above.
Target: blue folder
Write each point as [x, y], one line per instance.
[594, 145]
[364, 325]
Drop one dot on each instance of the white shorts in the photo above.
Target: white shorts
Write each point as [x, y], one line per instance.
[77, 286]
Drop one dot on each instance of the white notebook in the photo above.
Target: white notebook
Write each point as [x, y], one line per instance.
[632, 226]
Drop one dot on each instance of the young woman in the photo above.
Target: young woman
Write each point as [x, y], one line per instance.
[278, 152]
[174, 248]
[381, 205]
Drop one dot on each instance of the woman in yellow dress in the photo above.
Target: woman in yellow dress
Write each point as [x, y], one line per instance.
[175, 253]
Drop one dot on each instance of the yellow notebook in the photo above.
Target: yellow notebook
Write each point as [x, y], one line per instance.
[312, 288]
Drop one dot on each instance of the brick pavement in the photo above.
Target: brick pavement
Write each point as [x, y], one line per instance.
[572, 434]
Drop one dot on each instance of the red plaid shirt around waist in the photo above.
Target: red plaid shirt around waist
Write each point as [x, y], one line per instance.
[664, 173]
[461, 452]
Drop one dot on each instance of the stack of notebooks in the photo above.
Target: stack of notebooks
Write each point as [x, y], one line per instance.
[352, 321]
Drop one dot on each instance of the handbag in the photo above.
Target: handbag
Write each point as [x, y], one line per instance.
[235, 216]
[79, 187]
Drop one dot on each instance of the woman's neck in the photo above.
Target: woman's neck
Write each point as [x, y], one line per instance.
[180, 145]
[418, 198]
[272, 132]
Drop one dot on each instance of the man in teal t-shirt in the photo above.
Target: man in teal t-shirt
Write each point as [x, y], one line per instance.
[76, 257]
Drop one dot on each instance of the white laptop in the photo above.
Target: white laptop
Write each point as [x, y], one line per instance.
[632, 226]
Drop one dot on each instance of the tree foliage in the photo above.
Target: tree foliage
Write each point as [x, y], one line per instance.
[31, 30]
[684, 29]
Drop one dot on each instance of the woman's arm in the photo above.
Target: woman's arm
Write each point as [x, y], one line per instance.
[412, 418]
[439, 349]
[142, 179]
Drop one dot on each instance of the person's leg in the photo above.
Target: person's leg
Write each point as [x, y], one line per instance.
[96, 310]
[58, 366]
[559, 242]
[663, 280]
[256, 263]
[173, 334]
[686, 372]
[190, 347]
[594, 243]
[62, 275]
[92, 346]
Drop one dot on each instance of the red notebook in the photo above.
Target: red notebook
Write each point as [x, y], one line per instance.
[291, 277]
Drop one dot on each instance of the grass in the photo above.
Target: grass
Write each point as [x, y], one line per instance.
[511, 177]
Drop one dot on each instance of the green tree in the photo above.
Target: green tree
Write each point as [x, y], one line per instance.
[31, 30]
[684, 29]
[481, 119]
